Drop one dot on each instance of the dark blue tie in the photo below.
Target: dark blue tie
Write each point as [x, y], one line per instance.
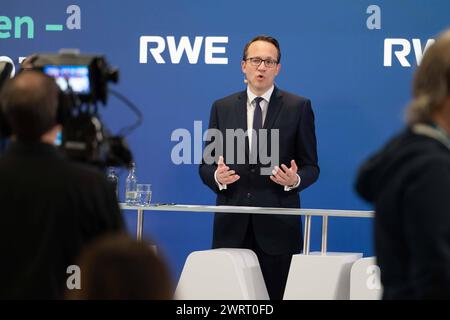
[257, 124]
[257, 117]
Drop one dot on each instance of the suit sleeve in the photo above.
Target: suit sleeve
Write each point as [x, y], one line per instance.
[206, 168]
[426, 219]
[308, 168]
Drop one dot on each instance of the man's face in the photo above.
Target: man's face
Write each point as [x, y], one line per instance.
[260, 78]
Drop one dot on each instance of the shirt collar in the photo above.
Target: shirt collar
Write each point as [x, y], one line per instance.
[266, 96]
[432, 131]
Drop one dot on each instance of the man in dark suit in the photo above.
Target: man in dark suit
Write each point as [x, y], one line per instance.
[50, 207]
[274, 238]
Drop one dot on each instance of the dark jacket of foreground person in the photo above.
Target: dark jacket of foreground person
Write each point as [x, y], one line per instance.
[50, 209]
[408, 182]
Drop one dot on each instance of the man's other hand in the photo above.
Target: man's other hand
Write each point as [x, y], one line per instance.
[285, 176]
[224, 175]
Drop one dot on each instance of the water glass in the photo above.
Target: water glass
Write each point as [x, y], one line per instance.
[144, 192]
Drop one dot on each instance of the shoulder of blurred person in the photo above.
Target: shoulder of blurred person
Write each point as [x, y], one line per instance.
[401, 159]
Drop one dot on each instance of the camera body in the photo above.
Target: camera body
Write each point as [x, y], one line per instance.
[83, 82]
[86, 76]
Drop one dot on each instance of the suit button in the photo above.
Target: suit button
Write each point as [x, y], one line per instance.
[249, 195]
[252, 170]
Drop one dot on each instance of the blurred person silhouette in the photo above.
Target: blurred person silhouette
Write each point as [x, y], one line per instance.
[50, 206]
[117, 267]
[408, 182]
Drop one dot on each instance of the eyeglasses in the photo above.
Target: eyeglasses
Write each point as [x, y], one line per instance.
[256, 62]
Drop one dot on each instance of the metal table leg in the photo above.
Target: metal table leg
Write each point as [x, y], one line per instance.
[307, 235]
[324, 235]
[140, 224]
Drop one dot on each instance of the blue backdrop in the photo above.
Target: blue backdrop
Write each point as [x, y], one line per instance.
[333, 52]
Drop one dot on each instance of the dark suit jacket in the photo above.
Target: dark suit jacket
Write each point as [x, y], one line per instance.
[50, 209]
[276, 234]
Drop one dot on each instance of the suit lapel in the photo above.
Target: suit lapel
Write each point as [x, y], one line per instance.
[241, 116]
[273, 109]
[241, 111]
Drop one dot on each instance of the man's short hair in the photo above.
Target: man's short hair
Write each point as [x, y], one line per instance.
[30, 104]
[269, 39]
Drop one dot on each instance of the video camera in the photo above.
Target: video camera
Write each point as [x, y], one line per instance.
[83, 80]
[86, 76]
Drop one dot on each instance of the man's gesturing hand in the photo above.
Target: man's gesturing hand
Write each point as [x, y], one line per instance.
[285, 176]
[224, 175]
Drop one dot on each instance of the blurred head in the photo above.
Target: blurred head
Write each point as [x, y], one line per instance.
[118, 267]
[431, 87]
[30, 104]
[261, 74]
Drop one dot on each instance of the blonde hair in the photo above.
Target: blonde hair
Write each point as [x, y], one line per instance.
[431, 86]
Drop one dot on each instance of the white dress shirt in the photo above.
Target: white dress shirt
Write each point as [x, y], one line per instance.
[251, 105]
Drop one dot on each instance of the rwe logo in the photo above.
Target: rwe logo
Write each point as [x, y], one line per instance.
[403, 49]
[176, 51]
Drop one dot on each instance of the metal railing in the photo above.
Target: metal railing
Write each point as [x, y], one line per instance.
[308, 213]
